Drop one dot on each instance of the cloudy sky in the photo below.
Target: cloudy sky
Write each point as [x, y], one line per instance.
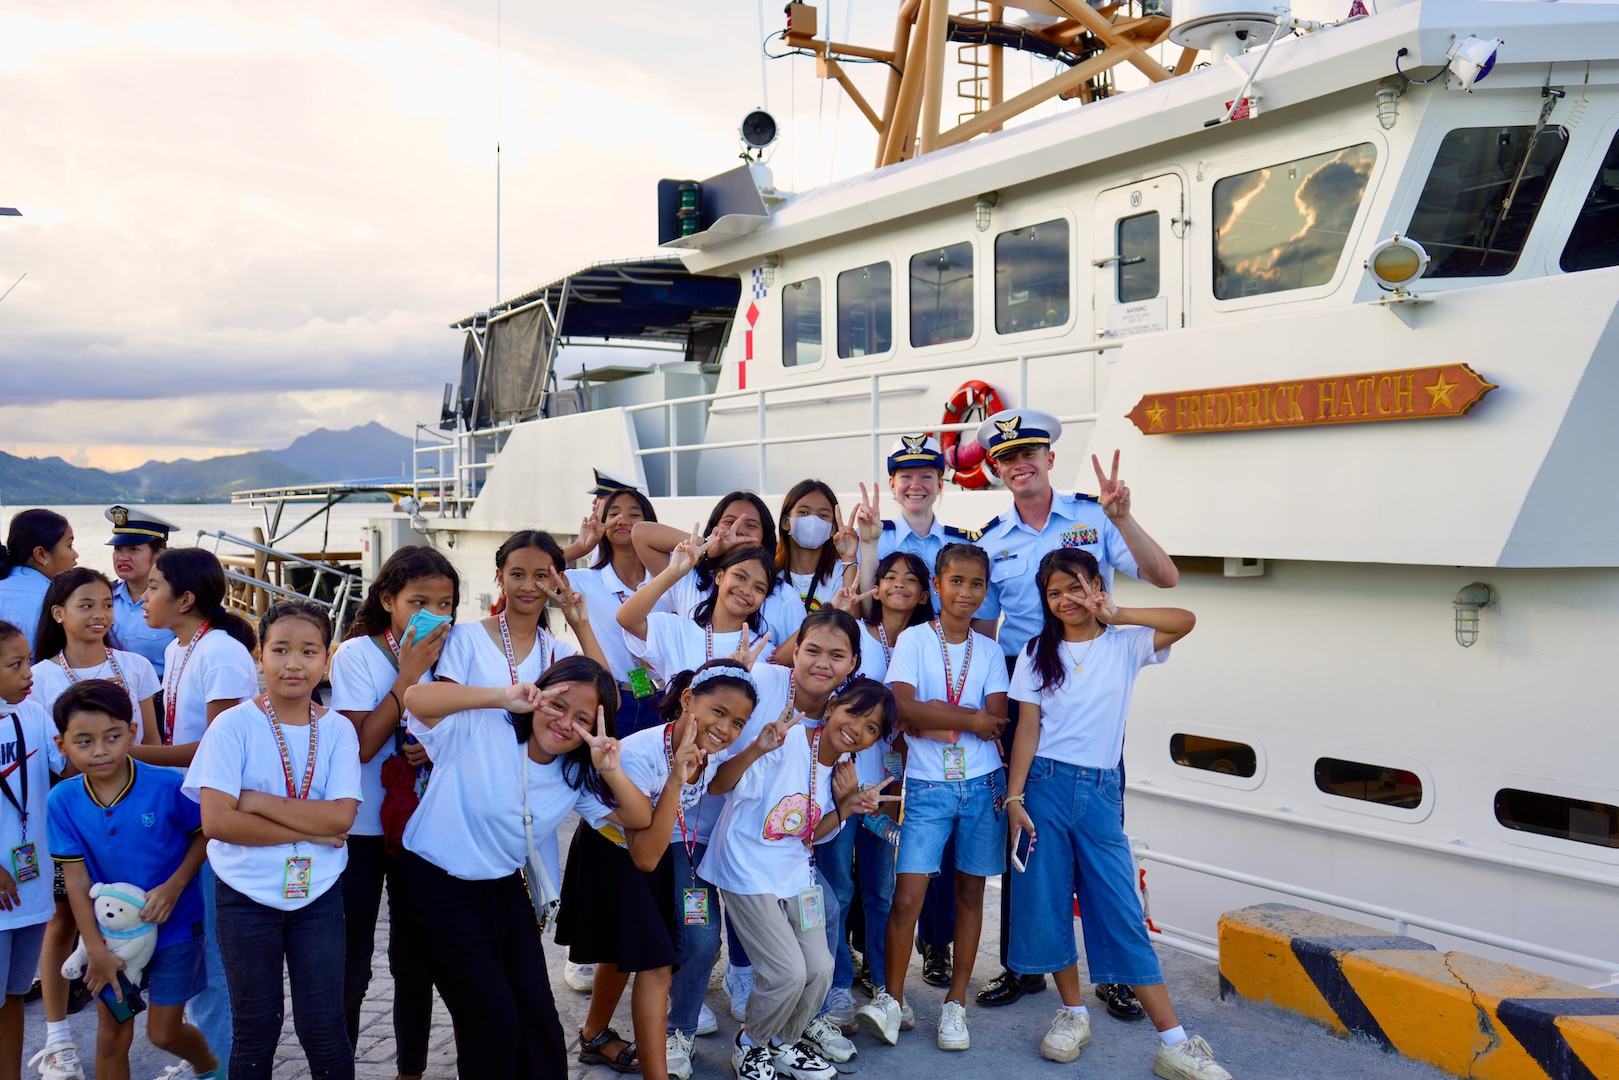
[242, 222]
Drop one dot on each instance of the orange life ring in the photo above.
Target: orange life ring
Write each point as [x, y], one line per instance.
[969, 466]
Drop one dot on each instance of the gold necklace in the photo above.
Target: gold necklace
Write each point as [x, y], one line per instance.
[1079, 665]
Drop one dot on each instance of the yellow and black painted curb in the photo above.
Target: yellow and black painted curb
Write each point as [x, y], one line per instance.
[1466, 1015]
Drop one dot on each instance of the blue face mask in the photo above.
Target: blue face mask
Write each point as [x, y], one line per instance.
[425, 622]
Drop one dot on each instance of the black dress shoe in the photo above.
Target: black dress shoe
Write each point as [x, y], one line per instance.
[1008, 987]
[936, 966]
[1120, 1001]
[862, 980]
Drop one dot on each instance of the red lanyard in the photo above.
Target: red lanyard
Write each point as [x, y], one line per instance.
[506, 643]
[393, 643]
[888, 650]
[953, 692]
[171, 694]
[73, 676]
[708, 640]
[813, 816]
[690, 844]
[286, 759]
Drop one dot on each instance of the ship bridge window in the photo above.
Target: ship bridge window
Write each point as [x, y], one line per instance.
[1138, 264]
[1595, 240]
[1580, 820]
[801, 323]
[1369, 783]
[1031, 278]
[1213, 755]
[866, 310]
[1285, 226]
[942, 295]
[1481, 198]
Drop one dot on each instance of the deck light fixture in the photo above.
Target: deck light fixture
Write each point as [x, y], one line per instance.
[1397, 262]
[1468, 603]
[767, 270]
[982, 208]
[1472, 58]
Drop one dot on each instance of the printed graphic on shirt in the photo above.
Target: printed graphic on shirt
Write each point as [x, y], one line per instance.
[793, 816]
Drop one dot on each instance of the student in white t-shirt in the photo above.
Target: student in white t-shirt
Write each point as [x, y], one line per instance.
[382, 657]
[793, 786]
[278, 779]
[817, 552]
[1073, 684]
[510, 763]
[951, 685]
[26, 740]
[207, 668]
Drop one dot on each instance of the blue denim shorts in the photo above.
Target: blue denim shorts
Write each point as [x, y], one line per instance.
[177, 973]
[969, 810]
[1079, 850]
[19, 956]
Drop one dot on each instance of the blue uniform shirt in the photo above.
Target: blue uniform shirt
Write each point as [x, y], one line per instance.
[129, 625]
[897, 536]
[142, 838]
[1015, 551]
[22, 598]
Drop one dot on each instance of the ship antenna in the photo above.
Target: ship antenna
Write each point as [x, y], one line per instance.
[497, 150]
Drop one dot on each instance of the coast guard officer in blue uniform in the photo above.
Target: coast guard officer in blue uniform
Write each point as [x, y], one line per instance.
[138, 534]
[1018, 442]
[915, 475]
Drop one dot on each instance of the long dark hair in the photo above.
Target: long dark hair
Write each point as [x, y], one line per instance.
[703, 613]
[197, 571]
[519, 541]
[577, 771]
[51, 637]
[669, 708]
[604, 547]
[29, 530]
[785, 546]
[404, 566]
[706, 566]
[1044, 650]
[923, 611]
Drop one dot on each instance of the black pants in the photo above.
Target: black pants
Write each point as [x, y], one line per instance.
[369, 866]
[484, 954]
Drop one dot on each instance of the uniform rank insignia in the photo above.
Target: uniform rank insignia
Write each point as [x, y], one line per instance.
[1078, 537]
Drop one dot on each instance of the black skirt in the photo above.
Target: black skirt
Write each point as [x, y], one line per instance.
[612, 912]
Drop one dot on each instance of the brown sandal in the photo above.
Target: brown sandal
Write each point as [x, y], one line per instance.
[593, 1052]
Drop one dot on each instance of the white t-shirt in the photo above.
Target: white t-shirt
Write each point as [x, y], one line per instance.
[674, 643]
[361, 677]
[470, 822]
[471, 658]
[43, 758]
[140, 679]
[758, 847]
[1082, 721]
[604, 594]
[644, 761]
[782, 612]
[219, 669]
[917, 663]
[239, 753]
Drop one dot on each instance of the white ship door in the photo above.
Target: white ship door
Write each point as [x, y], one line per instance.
[1139, 233]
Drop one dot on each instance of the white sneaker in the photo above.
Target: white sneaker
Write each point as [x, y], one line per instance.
[580, 977]
[751, 1062]
[707, 1022]
[59, 1061]
[828, 1038]
[907, 1017]
[677, 1052]
[1069, 1031]
[953, 1027]
[182, 1071]
[801, 1061]
[738, 986]
[840, 1009]
[880, 1019]
[1190, 1060]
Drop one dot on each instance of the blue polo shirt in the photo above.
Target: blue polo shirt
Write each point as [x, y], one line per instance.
[141, 838]
[22, 598]
[1015, 551]
[129, 624]
[897, 536]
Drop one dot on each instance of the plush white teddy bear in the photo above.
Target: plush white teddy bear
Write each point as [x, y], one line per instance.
[118, 913]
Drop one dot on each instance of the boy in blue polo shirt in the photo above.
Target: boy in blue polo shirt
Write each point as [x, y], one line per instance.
[124, 820]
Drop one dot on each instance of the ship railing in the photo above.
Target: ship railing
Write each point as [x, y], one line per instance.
[249, 573]
[1201, 945]
[877, 433]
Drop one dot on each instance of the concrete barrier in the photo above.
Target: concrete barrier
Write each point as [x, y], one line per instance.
[1466, 1015]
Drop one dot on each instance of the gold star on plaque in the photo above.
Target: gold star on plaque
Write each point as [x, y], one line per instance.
[1440, 392]
[1155, 414]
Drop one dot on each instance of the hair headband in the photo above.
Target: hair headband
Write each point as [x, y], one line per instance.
[727, 670]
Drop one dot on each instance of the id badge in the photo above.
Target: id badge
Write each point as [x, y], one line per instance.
[811, 910]
[24, 863]
[641, 682]
[955, 763]
[894, 765]
[694, 906]
[297, 884]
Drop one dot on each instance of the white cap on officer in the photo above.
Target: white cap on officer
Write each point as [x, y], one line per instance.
[1013, 429]
[133, 525]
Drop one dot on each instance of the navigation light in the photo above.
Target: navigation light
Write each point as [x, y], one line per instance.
[1472, 58]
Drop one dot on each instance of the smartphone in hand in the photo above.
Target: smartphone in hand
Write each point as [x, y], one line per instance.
[1020, 853]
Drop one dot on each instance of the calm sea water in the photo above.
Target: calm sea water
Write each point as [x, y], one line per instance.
[91, 529]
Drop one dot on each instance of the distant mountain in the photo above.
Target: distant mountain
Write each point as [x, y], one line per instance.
[369, 452]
